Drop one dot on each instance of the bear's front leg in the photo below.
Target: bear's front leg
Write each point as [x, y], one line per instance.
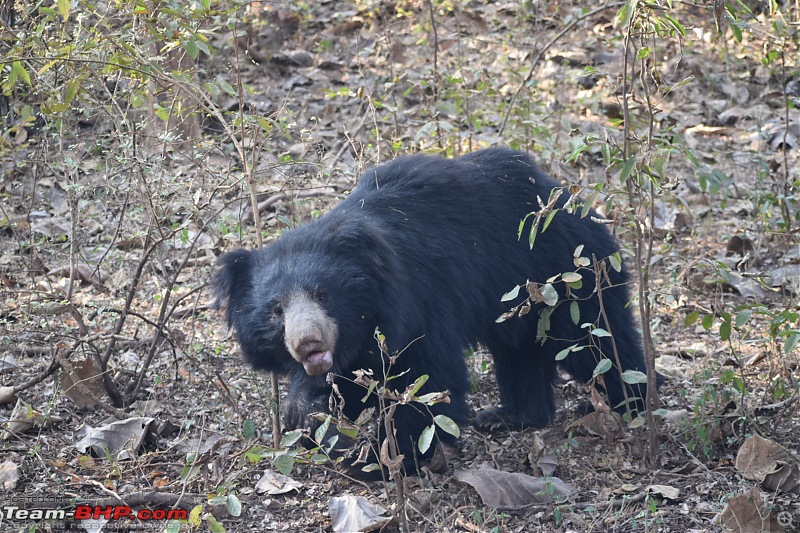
[302, 400]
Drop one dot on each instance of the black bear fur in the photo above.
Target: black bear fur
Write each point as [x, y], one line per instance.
[423, 249]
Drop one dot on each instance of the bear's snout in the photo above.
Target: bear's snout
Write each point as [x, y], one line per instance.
[318, 363]
[310, 334]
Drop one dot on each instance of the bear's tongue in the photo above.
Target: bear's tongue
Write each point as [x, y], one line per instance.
[318, 363]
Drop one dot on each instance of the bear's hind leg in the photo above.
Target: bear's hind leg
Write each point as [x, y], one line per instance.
[526, 390]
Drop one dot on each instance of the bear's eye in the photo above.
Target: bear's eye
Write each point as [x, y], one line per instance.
[276, 311]
[321, 295]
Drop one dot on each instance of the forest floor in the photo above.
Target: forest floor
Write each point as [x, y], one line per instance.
[347, 86]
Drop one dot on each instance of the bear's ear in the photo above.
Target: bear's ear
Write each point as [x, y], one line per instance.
[231, 279]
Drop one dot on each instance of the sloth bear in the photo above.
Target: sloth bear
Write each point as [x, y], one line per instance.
[423, 249]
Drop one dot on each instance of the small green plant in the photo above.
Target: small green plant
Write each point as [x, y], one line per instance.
[649, 514]
[562, 289]
[782, 332]
[721, 391]
[383, 450]
[198, 518]
[490, 518]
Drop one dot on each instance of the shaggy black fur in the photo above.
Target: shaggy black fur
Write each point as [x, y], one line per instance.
[423, 248]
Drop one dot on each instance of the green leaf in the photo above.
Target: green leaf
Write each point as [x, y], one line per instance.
[737, 32]
[707, 322]
[426, 438]
[72, 89]
[55, 108]
[162, 113]
[560, 356]
[659, 165]
[417, 385]
[791, 342]
[581, 261]
[255, 454]
[633, 377]
[212, 88]
[203, 47]
[194, 515]
[319, 434]
[571, 277]
[249, 429]
[510, 295]
[447, 424]
[578, 147]
[372, 385]
[742, 317]
[331, 443]
[773, 55]
[725, 331]
[234, 505]
[605, 151]
[191, 48]
[685, 81]
[284, 463]
[543, 326]
[348, 431]
[217, 499]
[600, 332]
[675, 24]
[643, 53]
[624, 14]
[265, 124]
[225, 86]
[549, 219]
[189, 472]
[522, 225]
[637, 422]
[738, 385]
[213, 525]
[549, 294]
[691, 318]
[626, 169]
[532, 235]
[616, 261]
[291, 437]
[588, 202]
[603, 366]
[575, 312]
[63, 8]
[18, 70]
